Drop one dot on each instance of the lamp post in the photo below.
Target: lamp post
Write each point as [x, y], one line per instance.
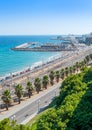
[13, 118]
[13, 121]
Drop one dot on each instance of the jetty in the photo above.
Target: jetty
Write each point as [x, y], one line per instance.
[45, 47]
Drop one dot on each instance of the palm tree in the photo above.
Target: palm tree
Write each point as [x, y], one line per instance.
[52, 75]
[29, 88]
[6, 97]
[77, 66]
[45, 81]
[84, 63]
[66, 71]
[87, 58]
[80, 64]
[70, 69]
[19, 92]
[62, 73]
[57, 76]
[74, 68]
[91, 56]
[37, 84]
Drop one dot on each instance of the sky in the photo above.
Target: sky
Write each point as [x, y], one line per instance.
[44, 17]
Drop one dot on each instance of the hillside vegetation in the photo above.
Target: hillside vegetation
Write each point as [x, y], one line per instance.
[73, 110]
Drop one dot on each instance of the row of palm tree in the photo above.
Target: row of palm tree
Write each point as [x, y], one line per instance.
[6, 95]
[39, 84]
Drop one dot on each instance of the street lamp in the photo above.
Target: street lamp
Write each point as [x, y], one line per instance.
[13, 121]
[13, 118]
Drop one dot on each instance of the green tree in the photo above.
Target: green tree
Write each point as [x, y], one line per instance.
[6, 97]
[19, 92]
[74, 68]
[77, 64]
[5, 124]
[29, 88]
[72, 108]
[52, 75]
[70, 69]
[57, 74]
[83, 64]
[37, 84]
[66, 71]
[87, 58]
[45, 81]
[91, 56]
[62, 73]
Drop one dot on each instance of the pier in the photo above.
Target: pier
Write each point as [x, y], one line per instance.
[45, 47]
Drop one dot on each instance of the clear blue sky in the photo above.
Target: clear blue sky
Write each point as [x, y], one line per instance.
[31, 17]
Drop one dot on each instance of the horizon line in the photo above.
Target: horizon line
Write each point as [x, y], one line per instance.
[42, 34]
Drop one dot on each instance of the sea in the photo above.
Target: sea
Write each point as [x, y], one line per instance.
[15, 61]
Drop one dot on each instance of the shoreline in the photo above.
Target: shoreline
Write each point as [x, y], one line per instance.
[45, 67]
[35, 66]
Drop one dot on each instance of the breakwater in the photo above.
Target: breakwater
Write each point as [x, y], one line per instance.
[45, 48]
[42, 50]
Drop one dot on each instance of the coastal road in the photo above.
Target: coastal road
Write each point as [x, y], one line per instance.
[36, 106]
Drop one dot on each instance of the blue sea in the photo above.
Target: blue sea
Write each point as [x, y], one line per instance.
[13, 61]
